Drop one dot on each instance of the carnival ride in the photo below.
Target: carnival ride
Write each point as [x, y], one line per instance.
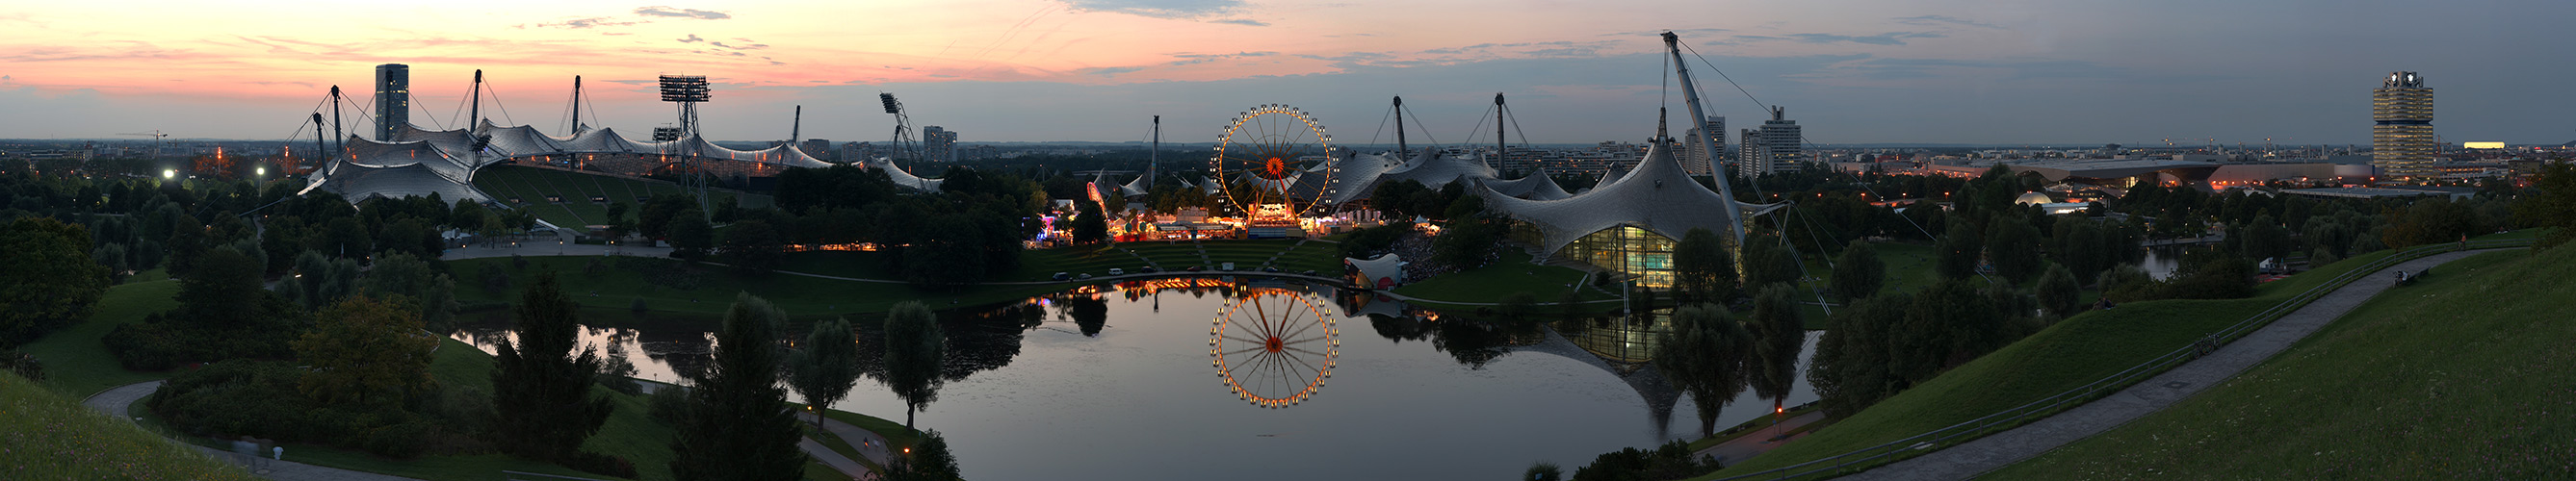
[1274, 347]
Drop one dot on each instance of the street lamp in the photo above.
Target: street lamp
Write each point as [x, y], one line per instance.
[167, 174]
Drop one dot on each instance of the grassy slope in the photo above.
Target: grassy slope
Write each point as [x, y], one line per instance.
[2444, 379]
[799, 295]
[630, 433]
[76, 364]
[46, 435]
[531, 185]
[1513, 274]
[2076, 351]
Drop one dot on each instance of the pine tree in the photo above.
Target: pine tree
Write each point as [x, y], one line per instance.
[737, 426]
[541, 389]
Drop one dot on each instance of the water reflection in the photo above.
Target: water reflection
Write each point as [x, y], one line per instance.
[1273, 346]
[1116, 379]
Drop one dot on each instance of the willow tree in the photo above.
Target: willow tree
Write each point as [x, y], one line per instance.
[1704, 356]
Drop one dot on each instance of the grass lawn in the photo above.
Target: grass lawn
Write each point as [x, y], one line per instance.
[1512, 274]
[2078, 350]
[532, 185]
[804, 297]
[47, 435]
[2446, 379]
[76, 364]
[894, 432]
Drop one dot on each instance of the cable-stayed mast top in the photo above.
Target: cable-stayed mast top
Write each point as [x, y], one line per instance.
[1690, 95]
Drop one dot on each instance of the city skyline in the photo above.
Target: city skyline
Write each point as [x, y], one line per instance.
[1994, 73]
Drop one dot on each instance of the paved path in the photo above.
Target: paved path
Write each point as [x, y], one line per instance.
[1993, 452]
[1739, 449]
[838, 462]
[114, 402]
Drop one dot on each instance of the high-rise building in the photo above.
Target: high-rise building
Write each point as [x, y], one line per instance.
[1701, 161]
[1778, 147]
[939, 144]
[1749, 151]
[393, 100]
[819, 149]
[2402, 144]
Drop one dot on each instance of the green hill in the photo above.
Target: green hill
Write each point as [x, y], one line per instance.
[2463, 376]
[44, 435]
[530, 188]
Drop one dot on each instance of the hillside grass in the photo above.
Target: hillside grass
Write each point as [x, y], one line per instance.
[2076, 351]
[531, 185]
[47, 435]
[2448, 379]
[77, 364]
[1512, 274]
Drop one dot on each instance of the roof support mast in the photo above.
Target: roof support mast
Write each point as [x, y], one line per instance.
[1498, 131]
[1401, 151]
[1154, 159]
[796, 128]
[476, 120]
[1690, 94]
[337, 137]
[576, 105]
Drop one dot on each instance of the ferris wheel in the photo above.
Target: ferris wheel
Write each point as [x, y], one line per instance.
[1264, 156]
[1273, 347]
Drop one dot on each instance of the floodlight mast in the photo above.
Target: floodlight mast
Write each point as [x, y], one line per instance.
[1708, 140]
[902, 130]
[688, 90]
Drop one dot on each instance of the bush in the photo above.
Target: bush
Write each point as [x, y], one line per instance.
[399, 441]
[24, 364]
[1670, 461]
[667, 404]
[1369, 242]
[145, 346]
[595, 463]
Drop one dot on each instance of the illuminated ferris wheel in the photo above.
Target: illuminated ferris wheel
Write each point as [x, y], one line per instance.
[1265, 154]
[1274, 347]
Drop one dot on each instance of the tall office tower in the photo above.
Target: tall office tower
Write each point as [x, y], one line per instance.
[819, 149]
[393, 100]
[1748, 159]
[1784, 140]
[2402, 143]
[939, 144]
[1701, 162]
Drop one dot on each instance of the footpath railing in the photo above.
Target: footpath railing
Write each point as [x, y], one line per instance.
[1936, 439]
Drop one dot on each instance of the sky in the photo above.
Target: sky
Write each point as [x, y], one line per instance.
[1850, 71]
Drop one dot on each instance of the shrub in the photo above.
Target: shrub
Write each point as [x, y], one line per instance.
[24, 364]
[399, 441]
[667, 404]
[1670, 461]
[595, 463]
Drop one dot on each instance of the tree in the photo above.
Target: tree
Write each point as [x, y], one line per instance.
[1850, 368]
[1089, 223]
[540, 387]
[2553, 206]
[2013, 246]
[1703, 269]
[1858, 273]
[828, 366]
[364, 351]
[736, 427]
[318, 279]
[48, 278]
[2059, 292]
[1767, 262]
[1779, 334]
[1956, 252]
[914, 348]
[400, 274]
[690, 234]
[2264, 238]
[1704, 356]
[753, 245]
[928, 462]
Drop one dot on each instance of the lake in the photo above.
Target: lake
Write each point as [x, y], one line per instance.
[1205, 378]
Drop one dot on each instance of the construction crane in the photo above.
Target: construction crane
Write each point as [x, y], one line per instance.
[156, 136]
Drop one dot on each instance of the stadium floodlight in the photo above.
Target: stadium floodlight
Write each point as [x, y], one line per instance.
[890, 106]
[684, 88]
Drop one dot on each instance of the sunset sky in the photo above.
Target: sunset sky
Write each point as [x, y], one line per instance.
[1991, 72]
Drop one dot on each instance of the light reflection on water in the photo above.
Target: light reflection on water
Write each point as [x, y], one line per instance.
[1117, 382]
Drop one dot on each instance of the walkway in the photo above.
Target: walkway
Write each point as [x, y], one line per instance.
[114, 403]
[1739, 449]
[1989, 453]
[868, 444]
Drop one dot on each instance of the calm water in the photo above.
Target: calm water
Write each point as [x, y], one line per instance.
[1120, 382]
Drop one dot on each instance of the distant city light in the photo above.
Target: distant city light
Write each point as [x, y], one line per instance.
[167, 174]
[2482, 145]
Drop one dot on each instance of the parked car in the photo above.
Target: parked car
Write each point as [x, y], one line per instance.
[1308, 272]
[1196, 268]
[1269, 269]
[1228, 267]
[1063, 276]
[1085, 275]
[1117, 271]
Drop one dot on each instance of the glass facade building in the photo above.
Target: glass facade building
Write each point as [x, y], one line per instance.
[1627, 249]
